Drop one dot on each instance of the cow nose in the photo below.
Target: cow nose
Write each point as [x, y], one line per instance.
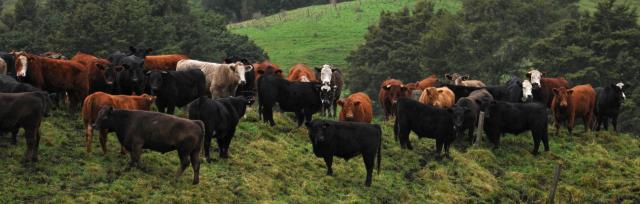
[243, 82]
[109, 82]
[134, 79]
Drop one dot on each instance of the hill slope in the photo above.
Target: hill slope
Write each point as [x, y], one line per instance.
[276, 164]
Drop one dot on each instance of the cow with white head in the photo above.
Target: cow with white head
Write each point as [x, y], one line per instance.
[332, 83]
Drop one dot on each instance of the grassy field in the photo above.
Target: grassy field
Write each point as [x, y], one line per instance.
[275, 164]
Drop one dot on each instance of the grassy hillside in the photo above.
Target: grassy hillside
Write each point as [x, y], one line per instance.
[276, 165]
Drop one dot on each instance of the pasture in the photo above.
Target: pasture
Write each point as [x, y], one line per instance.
[275, 164]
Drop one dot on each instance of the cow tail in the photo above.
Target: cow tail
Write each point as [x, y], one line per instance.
[202, 135]
[86, 110]
[379, 149]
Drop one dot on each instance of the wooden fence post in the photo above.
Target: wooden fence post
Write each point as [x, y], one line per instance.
[554, 185]
[479, 129]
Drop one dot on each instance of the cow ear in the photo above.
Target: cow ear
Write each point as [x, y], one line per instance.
[570, 91]
[278, 71]
[440, 90]
[340, 102]
[357, 103]
[447, 76]
[248, 69]
[555, 91]
[387, 87]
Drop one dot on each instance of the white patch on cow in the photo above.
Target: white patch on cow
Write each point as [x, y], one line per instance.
[240, 70]
[325, 88]
[23, 69]
[621, 86]
[304, 79]
[526, 90]
[325, 74]
[535, 77]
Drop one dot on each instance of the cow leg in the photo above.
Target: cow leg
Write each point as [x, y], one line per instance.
[300, 118]
[369, 160]
[207, 145]
[195, 164]
[30, 136]
[88, 137]
[227, 142]
[614, 123]
[220, 140]
[136, 151]
[598, 123]
[557, 124]
[161, 107]
[605, 120]
[439, 144]
[103, 140]
[447, 144]
[308, 116]
[171, 109]
[268, 115]
[570, 124]
[14, 134]
[536, 142]
[328, 160]
[184, 162]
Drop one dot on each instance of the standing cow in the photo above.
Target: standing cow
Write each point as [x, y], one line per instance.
[222, 79]
[176, 88]
[467, 110]
[26, 111]
[571, 103]
[608, 102]
[163, 62]
[302, 98]
[441, 97]
[220, 116]
[102, 74]
[430, 81]
[96, 101]
[301, 73]
[390, 91]
[356, 108]
[131, 79]
[543, 86]
[332, 83]
[515, 118]
[137, 130]
[346, 140]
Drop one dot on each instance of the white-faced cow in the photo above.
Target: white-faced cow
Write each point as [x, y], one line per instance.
[608, 102]
[332, 83]
[222, 79]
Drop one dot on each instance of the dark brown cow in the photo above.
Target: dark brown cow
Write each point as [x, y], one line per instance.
[24, 111]
[430, 81]
[162, 62]
[101, 74]
[356, 108]
[576, 102]
[543, 87]
[94, 102]
[390, 91]
[264, 65]
[54, 75]
[302, 73]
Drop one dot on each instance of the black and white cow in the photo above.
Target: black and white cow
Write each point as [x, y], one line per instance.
[346, 140]
[332, 83]
[608, 102]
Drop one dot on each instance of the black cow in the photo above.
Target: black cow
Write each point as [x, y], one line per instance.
[24, 110]
[608, 102]
[137, 130]
[131, 79]
[425, 121]
[302, 98]
[461, 91]
[467, 110]
[175, 88]
[346, 140]
[220, 116]
[511, 92]
[515, 118]
[9, 84]
[11, 63]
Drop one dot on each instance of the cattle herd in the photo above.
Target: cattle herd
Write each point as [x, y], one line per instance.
[116, 95]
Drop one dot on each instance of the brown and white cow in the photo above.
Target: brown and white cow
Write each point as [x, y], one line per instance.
[94, 102]
[543, 86]
[390, 91]
[356, 108]
[438, 97]
[571, 103]
[222, 79]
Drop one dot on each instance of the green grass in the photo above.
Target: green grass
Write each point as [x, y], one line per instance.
[276, 164]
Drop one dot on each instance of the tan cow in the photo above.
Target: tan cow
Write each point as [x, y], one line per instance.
[438, 97]
[222, 79]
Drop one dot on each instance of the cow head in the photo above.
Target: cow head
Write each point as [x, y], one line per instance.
[619, 90]
[326, 73]
[348, 107]
[156, 80]
[320, 132]
[109, 72]
[453, 76]
[562, 97]
[241, 69]
[458, 113]
[534, 76]
[134, 66]
[139, 52]
[145, 103]
[396, 91]
[22, 64]
[104, 119]
[527, 91]
[270, 71]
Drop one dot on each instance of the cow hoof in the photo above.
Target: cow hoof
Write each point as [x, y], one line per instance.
[367, 184]
[535, 153]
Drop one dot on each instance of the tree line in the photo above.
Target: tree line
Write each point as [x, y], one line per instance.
[239, 10]
[494, 39]
[101, 27]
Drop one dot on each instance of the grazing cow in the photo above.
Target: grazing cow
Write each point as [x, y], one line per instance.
[390, 91]
[331, 89]
[356, 108]
[24, 110]
[137, 130]
[430, 81]
[439, 97]
[96, 101]
[102, 74]
[568, 104]
[54, 75]
[176, 88]
[425, 121]
[515, 118]
[511, 92]
[467, 110]
[220, 116]
[11, 63]
[608, 102]
[222, 79]
[302, 98]
[162, 62]
[461, 91]
[301, 73]
[463, 80]
[543, 87]
[346, 140]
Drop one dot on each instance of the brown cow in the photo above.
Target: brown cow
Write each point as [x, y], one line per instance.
[390, 91]
[576, 102]
[54, 75]
[543, 87]
[430, 81]
[356, 108]
[301, 73]
[264, 65]
[439, 97]
[101, 73]
[162, 62]
[94, 102]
